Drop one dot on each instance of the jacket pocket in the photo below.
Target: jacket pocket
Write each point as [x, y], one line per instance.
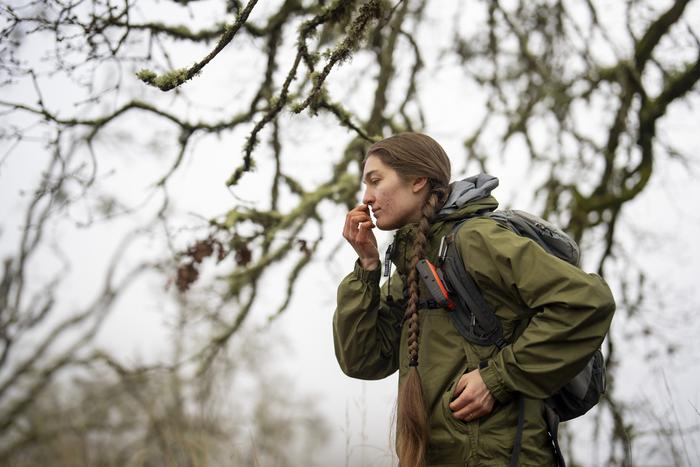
[449, 440]
[458, 425]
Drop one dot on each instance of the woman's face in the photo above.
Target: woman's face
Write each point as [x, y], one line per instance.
[395, 202]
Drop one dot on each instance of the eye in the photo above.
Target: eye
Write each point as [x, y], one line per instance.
[374, 181]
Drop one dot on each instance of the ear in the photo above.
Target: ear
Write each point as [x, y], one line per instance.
[419, 183]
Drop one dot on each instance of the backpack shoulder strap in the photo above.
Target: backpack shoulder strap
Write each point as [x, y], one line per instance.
[474, 318]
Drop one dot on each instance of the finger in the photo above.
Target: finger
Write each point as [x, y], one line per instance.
[359, 217]
[348, 232]
[459, 387]
[474, 406]
[365, 236]
[353, 226]
[360, 208]
[352, 221]
[472, 411]
[461, 400]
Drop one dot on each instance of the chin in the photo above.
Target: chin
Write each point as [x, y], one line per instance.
[382, 225]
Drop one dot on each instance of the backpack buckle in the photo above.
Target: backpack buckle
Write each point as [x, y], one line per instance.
[442, 250]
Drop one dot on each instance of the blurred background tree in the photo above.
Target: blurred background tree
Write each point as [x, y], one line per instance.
[109, 109]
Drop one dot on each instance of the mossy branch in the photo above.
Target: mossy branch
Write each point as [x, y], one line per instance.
[368, 12]
[175, 78]
[252, 140]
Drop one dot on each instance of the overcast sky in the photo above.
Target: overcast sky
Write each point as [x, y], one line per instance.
[359, 413]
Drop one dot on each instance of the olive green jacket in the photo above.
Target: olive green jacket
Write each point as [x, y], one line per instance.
[566, 311]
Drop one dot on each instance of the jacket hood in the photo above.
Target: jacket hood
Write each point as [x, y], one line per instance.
[462, 192]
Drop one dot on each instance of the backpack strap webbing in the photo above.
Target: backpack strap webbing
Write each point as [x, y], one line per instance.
[552, 420]
[552, 426]
[518, 442]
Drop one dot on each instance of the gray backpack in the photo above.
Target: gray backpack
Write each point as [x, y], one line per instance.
[452, 287]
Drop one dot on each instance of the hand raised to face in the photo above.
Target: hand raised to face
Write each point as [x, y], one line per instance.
[358, 232]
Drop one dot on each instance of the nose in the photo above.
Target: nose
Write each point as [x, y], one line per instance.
[368, 197]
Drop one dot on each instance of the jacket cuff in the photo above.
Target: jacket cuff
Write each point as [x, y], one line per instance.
[367, 277]
[494, 383]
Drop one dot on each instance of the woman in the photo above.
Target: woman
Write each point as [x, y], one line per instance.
[451, 411]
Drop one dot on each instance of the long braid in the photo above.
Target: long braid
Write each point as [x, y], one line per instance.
[412, 156]
[419, 243]
[412, 417]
